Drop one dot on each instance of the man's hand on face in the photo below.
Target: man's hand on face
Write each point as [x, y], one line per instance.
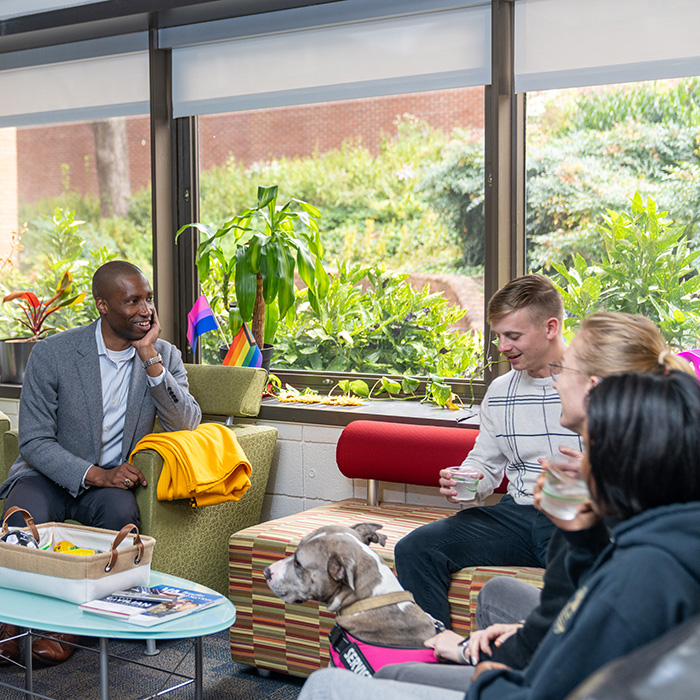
[148, 341]
[125, 476]
[145, 347]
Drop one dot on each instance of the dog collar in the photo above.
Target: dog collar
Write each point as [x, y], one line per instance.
[378, 601]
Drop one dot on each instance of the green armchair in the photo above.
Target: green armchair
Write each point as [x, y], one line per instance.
[193, 542]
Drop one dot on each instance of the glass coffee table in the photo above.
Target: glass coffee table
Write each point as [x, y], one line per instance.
[40, 613]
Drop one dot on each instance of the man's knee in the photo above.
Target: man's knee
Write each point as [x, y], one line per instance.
[37, 495]
[414, 545]
[109, 508]
[504, 599]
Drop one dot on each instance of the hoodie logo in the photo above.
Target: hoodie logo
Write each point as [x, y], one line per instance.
[569, 610]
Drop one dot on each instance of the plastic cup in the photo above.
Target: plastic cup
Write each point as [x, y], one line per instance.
[467, 481]
[562, 493]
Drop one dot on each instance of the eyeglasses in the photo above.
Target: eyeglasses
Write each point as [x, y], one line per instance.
[556, 368]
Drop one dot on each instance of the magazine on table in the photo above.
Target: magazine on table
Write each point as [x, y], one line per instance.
[146, 606]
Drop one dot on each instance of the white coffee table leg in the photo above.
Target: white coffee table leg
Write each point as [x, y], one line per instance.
[104, 675]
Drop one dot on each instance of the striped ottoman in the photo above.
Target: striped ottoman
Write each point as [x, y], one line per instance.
[276, 636]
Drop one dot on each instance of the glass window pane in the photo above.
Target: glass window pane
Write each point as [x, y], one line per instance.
[589, 150]
[74, 195]
[399, 182]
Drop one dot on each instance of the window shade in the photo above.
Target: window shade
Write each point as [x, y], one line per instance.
[86, 80]
[569, 43]
[423, 50]
[18, 8]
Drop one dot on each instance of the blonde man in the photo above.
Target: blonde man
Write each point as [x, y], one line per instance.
[519, 424]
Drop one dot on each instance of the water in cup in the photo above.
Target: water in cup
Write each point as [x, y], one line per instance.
[562, 493]
[467, 481]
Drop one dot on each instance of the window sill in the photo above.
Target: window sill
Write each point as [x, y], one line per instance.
[411, 412]
[10, 391]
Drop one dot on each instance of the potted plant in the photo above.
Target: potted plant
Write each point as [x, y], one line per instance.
[14, 352]
[259, 249]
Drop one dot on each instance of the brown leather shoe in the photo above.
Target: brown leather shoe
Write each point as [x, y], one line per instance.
[54, 648]
[9, 648]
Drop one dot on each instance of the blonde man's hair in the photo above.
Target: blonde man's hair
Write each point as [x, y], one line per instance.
[533, 292]
[619, 343]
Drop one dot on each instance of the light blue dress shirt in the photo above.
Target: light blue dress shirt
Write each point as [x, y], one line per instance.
[115, 371]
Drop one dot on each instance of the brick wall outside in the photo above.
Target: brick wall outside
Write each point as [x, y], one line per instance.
[259, 135]
[44, 152]
[8, 190]
[254, 135]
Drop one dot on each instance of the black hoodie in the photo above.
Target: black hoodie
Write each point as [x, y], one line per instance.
[643, 584]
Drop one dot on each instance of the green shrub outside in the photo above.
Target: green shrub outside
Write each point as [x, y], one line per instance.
[375, 208]
[646, 268]
[591, 153]
[373, 321]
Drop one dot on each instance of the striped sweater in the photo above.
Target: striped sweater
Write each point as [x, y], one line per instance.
[519, 424]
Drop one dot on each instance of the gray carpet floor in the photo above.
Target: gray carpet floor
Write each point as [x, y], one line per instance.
[79, 677]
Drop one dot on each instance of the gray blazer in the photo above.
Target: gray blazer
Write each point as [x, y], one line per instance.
[60, 413]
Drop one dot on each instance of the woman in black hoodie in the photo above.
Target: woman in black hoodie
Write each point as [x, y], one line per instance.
[643, 446]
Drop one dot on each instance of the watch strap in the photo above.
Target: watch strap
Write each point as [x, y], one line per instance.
[463, 648]
[152, 360]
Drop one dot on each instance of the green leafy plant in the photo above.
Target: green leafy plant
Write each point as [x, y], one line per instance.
[374, 321]
[587, 154]
[431, 389]
[36, 310]
[647, 268]
[259, 249]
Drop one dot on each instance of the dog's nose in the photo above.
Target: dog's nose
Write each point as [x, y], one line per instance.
[267, 573]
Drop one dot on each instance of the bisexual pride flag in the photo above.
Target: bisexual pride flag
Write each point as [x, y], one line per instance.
[200, 320]
[243, 351]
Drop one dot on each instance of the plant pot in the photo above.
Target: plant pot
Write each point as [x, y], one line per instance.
[14, 354]
[267, 352]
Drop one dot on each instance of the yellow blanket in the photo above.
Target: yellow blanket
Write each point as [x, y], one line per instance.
[206, 465]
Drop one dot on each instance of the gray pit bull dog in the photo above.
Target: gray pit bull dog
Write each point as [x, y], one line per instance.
[335, 566]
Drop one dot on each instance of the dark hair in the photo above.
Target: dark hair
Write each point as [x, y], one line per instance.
[534, 292]
[105, 276]
[644, 442]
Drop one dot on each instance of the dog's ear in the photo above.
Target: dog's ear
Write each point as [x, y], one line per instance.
[368, 532]
[342, 569]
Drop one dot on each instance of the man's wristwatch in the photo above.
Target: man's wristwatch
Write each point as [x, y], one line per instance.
[152, 360]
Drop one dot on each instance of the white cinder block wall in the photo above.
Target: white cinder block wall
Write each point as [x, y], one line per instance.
[10, 407]
[304, 474]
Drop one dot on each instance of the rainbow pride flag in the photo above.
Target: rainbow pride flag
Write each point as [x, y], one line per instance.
[200, 320]
[243, 351]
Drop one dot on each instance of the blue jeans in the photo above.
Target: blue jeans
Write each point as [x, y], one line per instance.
[504, 534]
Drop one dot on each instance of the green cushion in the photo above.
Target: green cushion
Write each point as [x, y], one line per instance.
[227, 391]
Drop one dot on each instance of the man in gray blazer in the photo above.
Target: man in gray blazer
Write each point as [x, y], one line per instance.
[89, 395]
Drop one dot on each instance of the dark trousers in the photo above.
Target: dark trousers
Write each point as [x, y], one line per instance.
[48, 502]
[504, 534]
